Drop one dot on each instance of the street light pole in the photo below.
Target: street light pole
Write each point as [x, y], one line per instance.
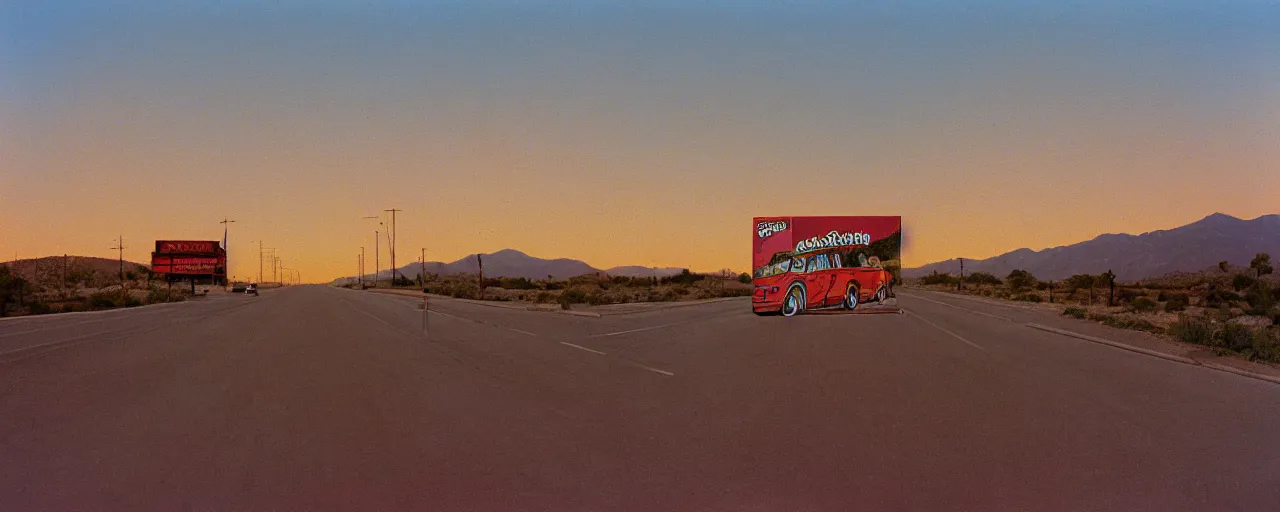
[375, 254]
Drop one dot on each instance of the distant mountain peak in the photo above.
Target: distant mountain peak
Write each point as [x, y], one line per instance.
[1195, 246]
[1217, 218]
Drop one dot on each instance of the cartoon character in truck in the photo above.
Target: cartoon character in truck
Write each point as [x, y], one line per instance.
[843, 277]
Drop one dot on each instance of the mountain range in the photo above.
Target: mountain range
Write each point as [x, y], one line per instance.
[513, 263]
[1193, 247]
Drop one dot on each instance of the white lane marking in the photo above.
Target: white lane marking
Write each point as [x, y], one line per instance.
[655, 370]
[371, 315]
[650, 328]
[1007, 319]
[526, 333]
[943, 329]
[580, 347]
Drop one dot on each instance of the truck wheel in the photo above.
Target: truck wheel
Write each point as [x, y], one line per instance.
[851, 296]
[794, 302]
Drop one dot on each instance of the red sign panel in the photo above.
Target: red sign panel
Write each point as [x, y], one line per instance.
[186, 264]
[186, 247]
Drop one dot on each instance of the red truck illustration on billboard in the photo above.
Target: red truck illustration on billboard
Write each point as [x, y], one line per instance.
[825, 263]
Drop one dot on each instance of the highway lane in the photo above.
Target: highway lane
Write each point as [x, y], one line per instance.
[317, 398]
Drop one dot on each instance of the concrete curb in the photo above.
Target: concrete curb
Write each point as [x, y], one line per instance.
[1153, 353]
[578, 313]
[1116, 344]
[1238, 371]
[490, 304]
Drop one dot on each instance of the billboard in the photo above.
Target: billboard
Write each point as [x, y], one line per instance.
[825, 264]
[189, 257]
[187, 247]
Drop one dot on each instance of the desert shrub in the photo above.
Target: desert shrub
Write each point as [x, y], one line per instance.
[1176, 303]
[684, 277]
[1262, 264]
[1144, 305]
[130, 301]
[1079, 281]
[1028, 297]
[936, 278]
[1021, 280]
[1241, 282]
[542, 297]
[38, 308]
[1235, 337]
[1260, 298]
[573, 296]
[1123, 322]
[1192, 330]
[1129, 294]
[744, 278]
[680, 290]
[983, 278]
[517, 283]
[1266, 345]
[735, 292]
[1075, 312]
[103, 300]
[157, 296]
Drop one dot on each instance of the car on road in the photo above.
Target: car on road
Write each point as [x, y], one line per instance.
[251, 289]
[834, 278]
[238, 287]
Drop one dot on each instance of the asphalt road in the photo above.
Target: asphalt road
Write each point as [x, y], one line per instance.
[314, 398]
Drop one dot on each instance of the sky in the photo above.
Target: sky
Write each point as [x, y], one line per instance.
[625, 133]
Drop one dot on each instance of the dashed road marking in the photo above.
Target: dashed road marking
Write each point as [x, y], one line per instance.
[943, 329]
[655, 370]
[580, 347]
[642, 329]
[1007, 319]
[526, 333]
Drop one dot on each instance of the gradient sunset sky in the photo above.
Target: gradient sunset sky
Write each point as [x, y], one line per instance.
[644, 133]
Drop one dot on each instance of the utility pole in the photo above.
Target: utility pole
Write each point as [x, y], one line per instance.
[960, 285]
[120, 247]
[422, 267]
[227, 264]
[391, 244]
[1111, 286]
[259, 261]
[376, 265]
[362, 267]
[480, 263]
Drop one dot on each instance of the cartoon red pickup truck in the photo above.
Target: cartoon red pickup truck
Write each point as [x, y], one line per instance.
[832, 278]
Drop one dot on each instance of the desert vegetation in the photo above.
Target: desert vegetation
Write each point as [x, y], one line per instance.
[58, 285]
[588, 289]
[1230, 309]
